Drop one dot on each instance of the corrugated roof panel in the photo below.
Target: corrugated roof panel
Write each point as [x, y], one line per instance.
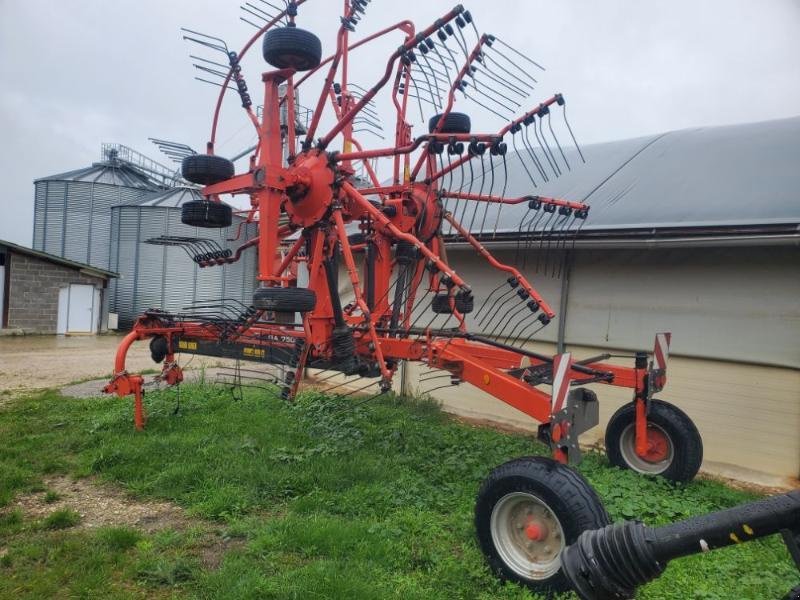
[736, 175]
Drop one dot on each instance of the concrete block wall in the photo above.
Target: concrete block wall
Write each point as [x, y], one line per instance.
[33, 291]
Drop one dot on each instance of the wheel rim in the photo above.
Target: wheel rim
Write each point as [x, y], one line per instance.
[660, 450]
[527, 535]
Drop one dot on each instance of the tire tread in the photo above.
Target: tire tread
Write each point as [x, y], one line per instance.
[686, 440]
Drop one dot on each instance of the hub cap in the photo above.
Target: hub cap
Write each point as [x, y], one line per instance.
[527, 535]
[660, 451]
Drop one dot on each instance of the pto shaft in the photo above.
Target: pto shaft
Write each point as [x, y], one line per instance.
[610, 563]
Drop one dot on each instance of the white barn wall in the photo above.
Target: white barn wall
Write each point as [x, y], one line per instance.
[720, 304]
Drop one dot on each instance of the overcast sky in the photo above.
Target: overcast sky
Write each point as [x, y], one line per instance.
[81, 72]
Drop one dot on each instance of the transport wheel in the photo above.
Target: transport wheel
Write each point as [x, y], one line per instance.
[206, 169]
[528, 510]
[793, 594]
[292, 48]
[675, 449]
[454, 122]
[285, 300]
[464, 304]
[203, 213]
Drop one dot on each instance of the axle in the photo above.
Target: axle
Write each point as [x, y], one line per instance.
[610, 563]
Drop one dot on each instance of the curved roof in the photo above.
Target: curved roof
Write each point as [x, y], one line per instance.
[110, 172]
[172, 198]
[731, 176]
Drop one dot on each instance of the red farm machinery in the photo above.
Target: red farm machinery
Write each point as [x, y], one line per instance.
[321, 206]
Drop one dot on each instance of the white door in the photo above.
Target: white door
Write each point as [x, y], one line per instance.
[81, 309]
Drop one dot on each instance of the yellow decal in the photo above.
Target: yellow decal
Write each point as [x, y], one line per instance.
[747, 529]
[258, 352]
[735, 539]
[186, 345]
[348, 146]
[406, 174]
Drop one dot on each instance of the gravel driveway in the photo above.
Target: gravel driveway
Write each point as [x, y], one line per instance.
[45, 361]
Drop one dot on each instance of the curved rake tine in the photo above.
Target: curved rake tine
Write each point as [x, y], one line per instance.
[522, 160]
[572, 135]
[502, 195]
[513, 64]
[492, 311]
[491, 189]
[555, 138]
[506, 321]
[545, 147]
[492, 293]
[520, 54]
[222, 46]
[532, 152]
[524, 84]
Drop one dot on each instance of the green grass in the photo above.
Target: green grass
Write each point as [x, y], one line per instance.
[307, 501]
[51, 497]
[61, 519]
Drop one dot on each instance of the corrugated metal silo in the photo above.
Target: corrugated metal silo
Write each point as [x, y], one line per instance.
[72, 216]
[165, 277]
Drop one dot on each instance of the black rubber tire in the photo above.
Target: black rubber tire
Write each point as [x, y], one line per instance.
[292, 48]
[285, 300]
[357, 238]
[686, 441]
[564, 490]
[464, 304]
[454, 122]
[206, 169]
[204, 213]
[793, 594]
[159, 348]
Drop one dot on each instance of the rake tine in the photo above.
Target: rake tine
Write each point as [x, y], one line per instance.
[521, 160]
[532, 152]
[492, 312]
[515, 65]
[545, 225]
[543, 146]
[520, 92]
[482, 105]
[480, 192]
[266, 19]
[524, 84]
[526, 220]
[491, 189]
[520, 54]
[265, 15]
[492, 293]
[507, 321]
[572, 135]
[220, 47]
[515, 103]
[548, 149]
[430, 89]
[502, 195]
[555, 138]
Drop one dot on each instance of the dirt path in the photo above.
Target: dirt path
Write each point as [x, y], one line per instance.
[45, 361]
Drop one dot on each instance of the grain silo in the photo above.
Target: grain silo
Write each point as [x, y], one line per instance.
[158, 275]
[72, 216]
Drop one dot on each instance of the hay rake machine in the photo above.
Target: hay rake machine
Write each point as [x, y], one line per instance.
[390, 236]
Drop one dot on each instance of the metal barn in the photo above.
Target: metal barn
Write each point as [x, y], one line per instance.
[696, 232]
[72, 210]
[153, 275]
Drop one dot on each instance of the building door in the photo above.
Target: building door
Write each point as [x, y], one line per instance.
[77, 309]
